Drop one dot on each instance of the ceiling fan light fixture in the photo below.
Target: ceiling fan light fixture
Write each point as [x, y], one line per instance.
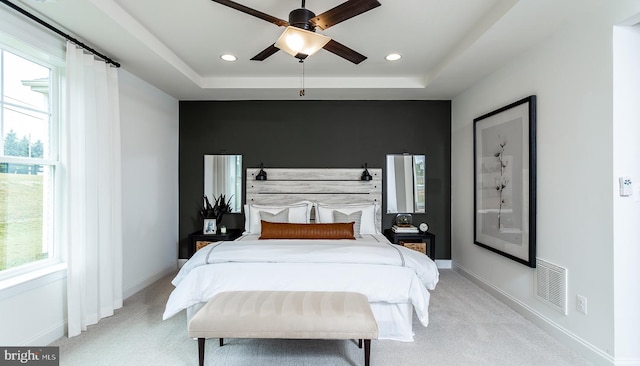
[228, 57]
[295, 41]
[393, 57]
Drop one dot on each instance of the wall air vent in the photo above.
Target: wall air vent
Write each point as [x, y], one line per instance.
[550, 285]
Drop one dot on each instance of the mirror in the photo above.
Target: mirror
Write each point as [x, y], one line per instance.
[406, 183]
[223, 175]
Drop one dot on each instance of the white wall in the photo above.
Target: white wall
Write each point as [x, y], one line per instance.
[25, 321]
[572, 75]
[149, 124]
[150, 230]
[626, 210]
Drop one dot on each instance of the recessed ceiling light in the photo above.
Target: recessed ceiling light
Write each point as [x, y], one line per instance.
[228, 57]
[393, 57]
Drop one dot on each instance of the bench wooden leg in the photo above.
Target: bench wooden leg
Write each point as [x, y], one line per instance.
[367, 351]
[221, 342]
[201, 351]
[359, 343]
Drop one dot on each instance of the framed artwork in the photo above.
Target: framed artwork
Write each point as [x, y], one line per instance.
[505, 181]
[209, 226]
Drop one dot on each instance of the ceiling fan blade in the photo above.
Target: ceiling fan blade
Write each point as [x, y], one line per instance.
[265, 53]
[343, 12]
[258, 14]
[344, 52]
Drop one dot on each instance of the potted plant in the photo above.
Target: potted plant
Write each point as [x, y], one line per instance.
[217, 210]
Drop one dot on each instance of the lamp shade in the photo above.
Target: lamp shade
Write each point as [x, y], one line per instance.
[296, 41]
[262, 175]
[366, 175]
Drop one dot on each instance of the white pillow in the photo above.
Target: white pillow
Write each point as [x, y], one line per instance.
[247, 219]
[299, 213]
[282, 216]
[324, 214]
[355, 217]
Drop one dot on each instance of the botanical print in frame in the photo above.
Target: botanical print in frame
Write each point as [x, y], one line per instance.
[209, 227]
[505, 181]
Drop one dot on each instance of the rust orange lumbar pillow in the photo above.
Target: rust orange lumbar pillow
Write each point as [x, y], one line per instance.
[276, 230]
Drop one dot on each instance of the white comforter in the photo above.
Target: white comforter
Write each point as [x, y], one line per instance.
[382, 271]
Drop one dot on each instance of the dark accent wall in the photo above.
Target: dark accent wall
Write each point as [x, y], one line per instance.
[317, 134]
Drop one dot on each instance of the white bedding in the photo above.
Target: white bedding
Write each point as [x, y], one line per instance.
[385, 273]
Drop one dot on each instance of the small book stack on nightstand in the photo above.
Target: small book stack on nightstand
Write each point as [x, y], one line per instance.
[405, 229]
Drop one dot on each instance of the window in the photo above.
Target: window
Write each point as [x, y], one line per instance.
[419, 176]
[29, 94]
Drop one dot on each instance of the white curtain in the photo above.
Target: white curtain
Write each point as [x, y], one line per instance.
[220, 172]
[92, 163]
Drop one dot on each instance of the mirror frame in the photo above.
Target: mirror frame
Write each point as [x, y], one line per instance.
[406, 176]
[229, 166]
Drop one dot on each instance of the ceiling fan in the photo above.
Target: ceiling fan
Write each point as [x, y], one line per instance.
[305, 20]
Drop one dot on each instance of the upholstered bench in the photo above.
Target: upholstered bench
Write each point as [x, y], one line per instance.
[286, 315]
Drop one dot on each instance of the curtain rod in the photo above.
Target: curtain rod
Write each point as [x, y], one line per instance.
[59, 32]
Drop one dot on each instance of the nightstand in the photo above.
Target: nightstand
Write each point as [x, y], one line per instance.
[197, 240]
[427, 239]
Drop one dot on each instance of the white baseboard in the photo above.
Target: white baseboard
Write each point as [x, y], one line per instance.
[627, 362]
[132, 290]
[48, 336]
[564, 336]
[443, 263]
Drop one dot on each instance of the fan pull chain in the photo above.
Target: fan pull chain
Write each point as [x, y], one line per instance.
[302, 81]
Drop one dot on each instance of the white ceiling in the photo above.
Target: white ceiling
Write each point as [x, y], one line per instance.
[446, 45]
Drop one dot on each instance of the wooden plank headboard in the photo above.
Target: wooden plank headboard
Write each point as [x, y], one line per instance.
[326, 185]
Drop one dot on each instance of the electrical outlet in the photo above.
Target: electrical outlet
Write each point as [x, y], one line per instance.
[581, 304]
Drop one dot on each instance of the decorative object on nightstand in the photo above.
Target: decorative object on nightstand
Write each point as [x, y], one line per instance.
[209, 227]
[403, 220]
[212, 214]
[423, 227]
[402, 224]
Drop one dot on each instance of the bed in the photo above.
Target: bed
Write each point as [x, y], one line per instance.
[395, 279]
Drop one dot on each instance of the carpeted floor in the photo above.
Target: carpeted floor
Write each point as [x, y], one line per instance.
[467, 327]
